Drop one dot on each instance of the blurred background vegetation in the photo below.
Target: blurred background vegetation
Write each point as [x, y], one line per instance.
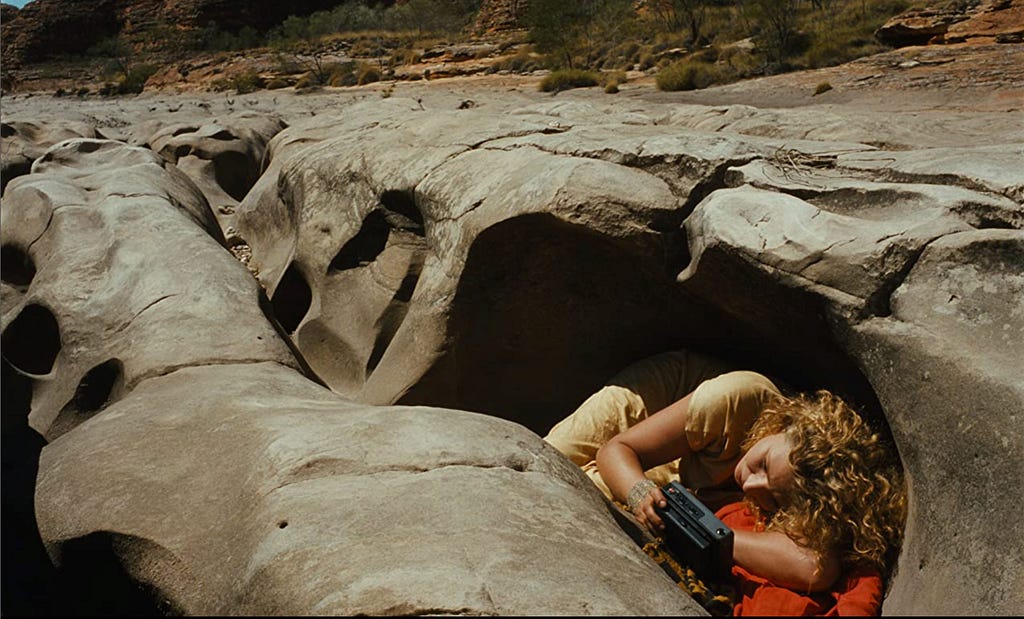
[685, 44]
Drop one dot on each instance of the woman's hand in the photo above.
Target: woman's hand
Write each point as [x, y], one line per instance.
[643, 498]
[654, 441]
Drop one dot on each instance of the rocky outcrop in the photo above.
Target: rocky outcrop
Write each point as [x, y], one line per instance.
[192, 467]
[421, 258]
[434, 279]
[224, 158]
[1001, 21]
[47, 28]
[501, 15]
[25, 141]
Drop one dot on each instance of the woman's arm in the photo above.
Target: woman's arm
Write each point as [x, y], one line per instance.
[656, 440]
[775, 556]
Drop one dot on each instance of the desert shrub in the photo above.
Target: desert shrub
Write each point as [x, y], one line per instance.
[246, 82]
[404, 56]
[687, 74]
[564, 79]
[277, 83]
[612, 88]
[522, 62]
[342, 74]
[607, 78]
[822, 87]
[739, 63]
[708, 54]
[307, 80]
[367, 74]
[135, 79]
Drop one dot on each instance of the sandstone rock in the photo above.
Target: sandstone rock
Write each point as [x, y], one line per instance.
[23, 142]
[977, 22]
[376, 267]
[292, 501]
[124, 223]
[987, 168]
[224, 157]
[947, 364]
[500, 15]
[45, 28]
[993, 20]
[507, 259]
[918, 26]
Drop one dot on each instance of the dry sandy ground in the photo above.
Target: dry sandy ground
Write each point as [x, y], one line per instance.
[975, 94]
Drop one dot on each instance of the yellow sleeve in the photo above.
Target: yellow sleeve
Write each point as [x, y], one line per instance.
[720, 415]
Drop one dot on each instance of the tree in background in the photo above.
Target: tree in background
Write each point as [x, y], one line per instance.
[676, 15]
[572, 31]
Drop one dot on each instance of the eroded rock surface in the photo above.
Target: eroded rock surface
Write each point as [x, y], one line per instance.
[505, 259]
[127, 280]
[250, 490]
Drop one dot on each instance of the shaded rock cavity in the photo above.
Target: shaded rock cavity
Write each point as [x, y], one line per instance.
[16, 267]
[32, 341]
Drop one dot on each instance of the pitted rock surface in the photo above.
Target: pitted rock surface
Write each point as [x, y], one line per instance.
[129, 280]
[504, 259]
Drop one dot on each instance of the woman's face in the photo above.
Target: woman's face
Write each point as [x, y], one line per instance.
[764, 473]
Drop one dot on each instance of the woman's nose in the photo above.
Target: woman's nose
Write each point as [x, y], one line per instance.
[755, 481]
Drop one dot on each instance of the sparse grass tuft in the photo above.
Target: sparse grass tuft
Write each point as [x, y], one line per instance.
[687, 74]
[565, 79]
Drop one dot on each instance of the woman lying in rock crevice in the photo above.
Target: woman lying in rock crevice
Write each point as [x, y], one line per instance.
[816, 500]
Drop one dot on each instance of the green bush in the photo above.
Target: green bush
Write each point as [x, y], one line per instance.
[687, 74]
[135, 80]
[564, 79]
[244, 83]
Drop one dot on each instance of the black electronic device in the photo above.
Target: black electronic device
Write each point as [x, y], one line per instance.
[693, 533]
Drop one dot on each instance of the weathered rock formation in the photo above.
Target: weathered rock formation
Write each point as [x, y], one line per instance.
[1000, 21]
[189, 453]
[476, 269]
[47, 28]
[300, 453]
[500, 15]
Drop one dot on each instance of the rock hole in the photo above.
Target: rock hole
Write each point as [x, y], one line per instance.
[366, 245]
[31, 342]
[235, 174]
[93, 579]
[28, 587]
[6, 130]
[91, 396]
[283, 524]
[397, 212]
[401, 203]
[88, 146]
[292, 299]
[182, 150]
[16, 266]
[95, 387]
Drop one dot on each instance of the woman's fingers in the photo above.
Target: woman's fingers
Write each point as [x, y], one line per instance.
[651, 518]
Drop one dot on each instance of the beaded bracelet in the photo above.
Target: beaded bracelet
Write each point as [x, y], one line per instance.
[638, 492]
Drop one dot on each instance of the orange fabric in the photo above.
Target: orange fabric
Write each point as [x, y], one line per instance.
[858, 593]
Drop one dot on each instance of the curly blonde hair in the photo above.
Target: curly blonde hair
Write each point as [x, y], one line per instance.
[848, 494]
